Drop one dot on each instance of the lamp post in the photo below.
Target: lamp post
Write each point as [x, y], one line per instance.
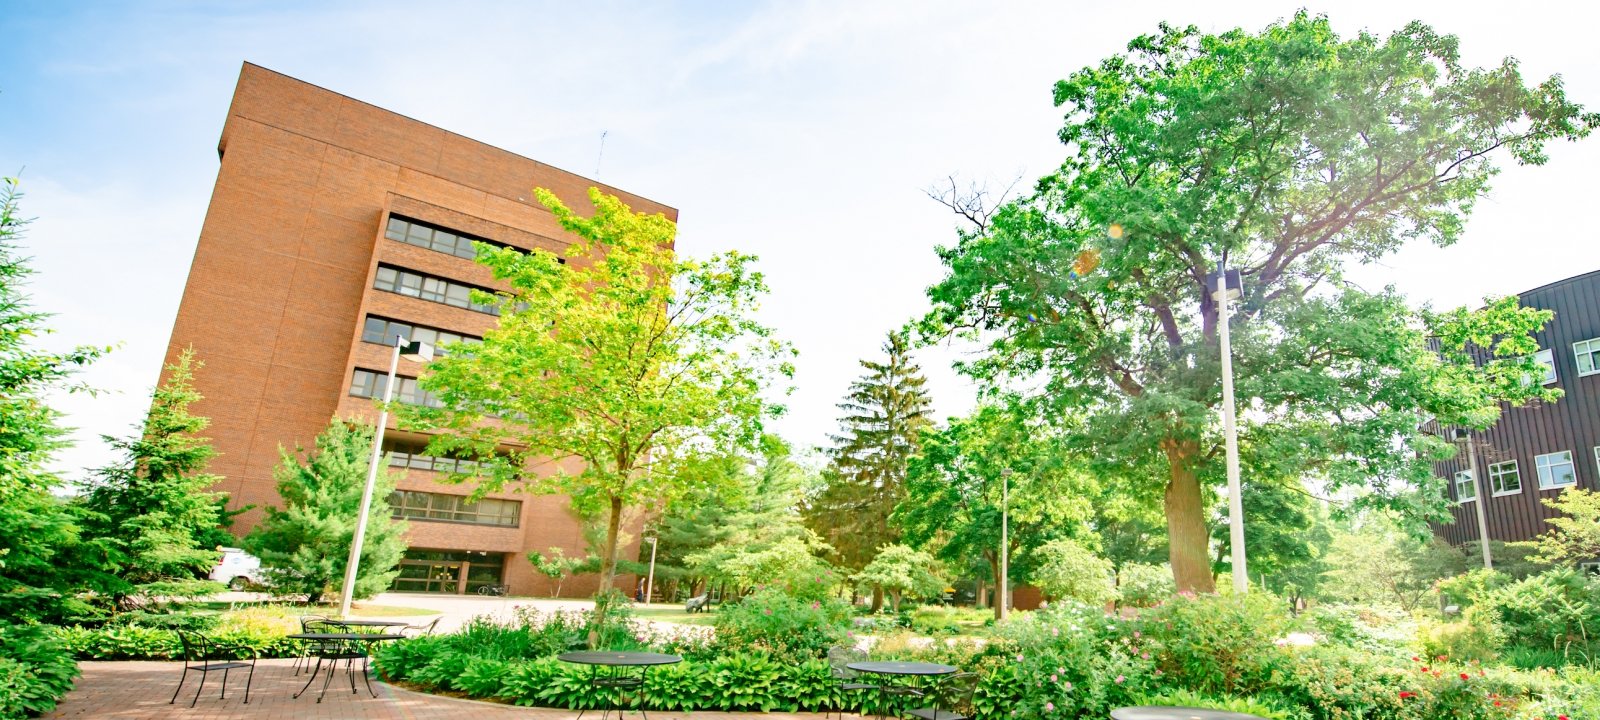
[650, 581]
[1005, 545]
[421, 352]
[1464, 435]
[1224, 289]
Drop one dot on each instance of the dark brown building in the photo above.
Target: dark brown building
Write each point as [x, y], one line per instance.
[1539, 450]
[335, 225]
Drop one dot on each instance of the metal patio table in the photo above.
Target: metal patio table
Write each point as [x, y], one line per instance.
[901, 669]
[368, 623]
[619, 675]
[1150, 712]
[349, 654]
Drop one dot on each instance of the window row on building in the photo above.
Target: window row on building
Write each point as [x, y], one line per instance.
[1554, 471]
[418, 461]
[430, 288]
[370, 384]
[417, 505]
[439, 238]
[383, 331]
[1586, 353]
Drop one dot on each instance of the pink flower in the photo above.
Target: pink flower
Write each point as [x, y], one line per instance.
[1147, 655]
[1136, 632]
[1068, 687]
[767, 611]
[1050, 706]
[1120, 679]
[1053, 678]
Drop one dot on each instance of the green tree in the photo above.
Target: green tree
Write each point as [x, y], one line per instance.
[1067, 569]
[884, 415]
[900, 571]
[1286, 534]
[625, 357]
[1574, 535]
[147, 516]
[36, 530]
[1290, 154]
[553, 564]
[1373, 560]
[304, 545]
[953, 500]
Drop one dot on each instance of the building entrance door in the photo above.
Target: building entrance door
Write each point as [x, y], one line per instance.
[448, 572]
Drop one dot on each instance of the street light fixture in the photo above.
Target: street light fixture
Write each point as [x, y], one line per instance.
[650, 582]
[421, 352]
[1225, 285]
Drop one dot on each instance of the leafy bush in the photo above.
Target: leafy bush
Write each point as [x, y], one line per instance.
[1472, 587]
[1067, 569]
[1246, 705]
[35, 671]
[1476, 637]
[1144, 585]
[134, 642]
[1559, 610]
[1217, 643]
[1070, 660]
[772, 622]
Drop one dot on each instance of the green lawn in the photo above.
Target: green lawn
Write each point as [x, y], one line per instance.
[356, 609]
[675, 615]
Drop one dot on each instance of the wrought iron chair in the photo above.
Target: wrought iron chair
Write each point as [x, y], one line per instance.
[839, 658]
[420, 630]
[205, 656]
[952, 699]
[332, 651]
[308, 648]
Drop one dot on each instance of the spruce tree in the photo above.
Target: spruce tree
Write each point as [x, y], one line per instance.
[884, 415]
[34, 524]
[305, 544]
[145, 518]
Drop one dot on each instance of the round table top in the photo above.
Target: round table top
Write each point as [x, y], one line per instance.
[901, 668]
[1177, 713]
[603, 657]
[367, 623]
[345, 636]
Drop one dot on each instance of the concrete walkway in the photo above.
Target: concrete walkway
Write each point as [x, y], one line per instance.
[143, 689]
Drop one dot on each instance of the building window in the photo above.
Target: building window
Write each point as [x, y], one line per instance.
[383, 332]
[1547, 358]
[418, 461]
[432, 289]
[1465, 492]
[434, 238]
[1587, 353]
[1555, 470]
[1504, 478]
[370, 384]
[415, 505]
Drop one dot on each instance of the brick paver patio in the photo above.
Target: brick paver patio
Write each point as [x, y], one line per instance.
[142, 689]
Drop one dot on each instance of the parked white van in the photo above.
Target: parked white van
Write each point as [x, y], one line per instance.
[238, 569]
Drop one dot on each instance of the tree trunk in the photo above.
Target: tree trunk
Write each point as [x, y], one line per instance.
[608, 564]
[994, 568]
[1188, 542]
[877, 599]
[981, 598]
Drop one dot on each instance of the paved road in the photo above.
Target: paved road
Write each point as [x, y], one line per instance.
[125, 690]
[455, 610]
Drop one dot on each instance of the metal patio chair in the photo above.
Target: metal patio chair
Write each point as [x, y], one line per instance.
[839, 657]
[205, 656]
[952, 699]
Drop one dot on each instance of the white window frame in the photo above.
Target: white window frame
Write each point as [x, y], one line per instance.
[1495, 474]
[1545, 469]
[1547, 358]
[1463, 479]
[1586, 355]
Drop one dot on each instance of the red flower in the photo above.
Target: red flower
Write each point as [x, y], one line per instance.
[1407, 694]
[1497, 703]
[1415, 659]
[1463, 676]
[1424, 668]
[1440, 658]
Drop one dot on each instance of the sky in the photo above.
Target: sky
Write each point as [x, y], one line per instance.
[802, 132]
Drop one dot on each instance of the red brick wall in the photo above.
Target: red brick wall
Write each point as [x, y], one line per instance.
[282, 278]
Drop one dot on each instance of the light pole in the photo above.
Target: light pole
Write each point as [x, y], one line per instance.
[1005, 545]
[421, 352]
[650, 581]
[1465, 435]
[1225, 287]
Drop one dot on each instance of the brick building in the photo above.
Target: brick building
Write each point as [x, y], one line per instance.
[333, 225]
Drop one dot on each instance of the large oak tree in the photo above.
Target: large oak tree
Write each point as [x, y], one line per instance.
[1292, 154]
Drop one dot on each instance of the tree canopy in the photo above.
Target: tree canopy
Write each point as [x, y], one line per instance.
[1290, 154]
[619, 355]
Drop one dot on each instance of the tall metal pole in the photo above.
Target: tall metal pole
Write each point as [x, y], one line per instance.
[650, 583]
[372, 479]
[1241, 578]
[1477, 497]
[1005, 545]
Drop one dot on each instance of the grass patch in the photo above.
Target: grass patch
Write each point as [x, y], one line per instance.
[675, 615]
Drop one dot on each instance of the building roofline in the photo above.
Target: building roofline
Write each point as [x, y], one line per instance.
[1575, 278]
[591, 181]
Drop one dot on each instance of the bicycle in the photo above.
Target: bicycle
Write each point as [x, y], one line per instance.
[496, 590]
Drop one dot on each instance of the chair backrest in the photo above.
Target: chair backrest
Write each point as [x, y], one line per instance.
[315, 623]
[423, 630]
[955, 693]
[840, 656]
[195, 646]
